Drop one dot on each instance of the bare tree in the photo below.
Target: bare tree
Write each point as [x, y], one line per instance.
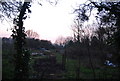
[88, 43]
[32, 34]
[82, 34]
[60, 40]
[77, 30]
[9, 8]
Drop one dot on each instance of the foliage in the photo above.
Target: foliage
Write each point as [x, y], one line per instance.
[22, 55]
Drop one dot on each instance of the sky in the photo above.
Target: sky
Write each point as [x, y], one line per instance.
[49, 21]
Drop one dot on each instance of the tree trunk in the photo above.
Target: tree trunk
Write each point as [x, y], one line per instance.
[64, 59]
[78, 67]
[90, 60]
[21, 57]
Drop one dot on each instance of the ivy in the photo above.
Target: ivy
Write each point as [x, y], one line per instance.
[22, 55]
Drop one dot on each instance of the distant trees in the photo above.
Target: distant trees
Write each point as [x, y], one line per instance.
[37, 44]
[32, 34]
[46, 44]
[60, 40]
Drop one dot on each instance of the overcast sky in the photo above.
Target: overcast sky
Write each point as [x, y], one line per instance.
[47, 20]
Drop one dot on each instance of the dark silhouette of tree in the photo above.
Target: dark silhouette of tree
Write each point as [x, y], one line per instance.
[108, 15]
[77, 29]
[94, 42]
[9, 9]
[21, 56]
[90, 57]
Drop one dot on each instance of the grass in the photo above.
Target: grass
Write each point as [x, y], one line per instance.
[70, 73]
[7, 69]
[86, 72]
[58, 57]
